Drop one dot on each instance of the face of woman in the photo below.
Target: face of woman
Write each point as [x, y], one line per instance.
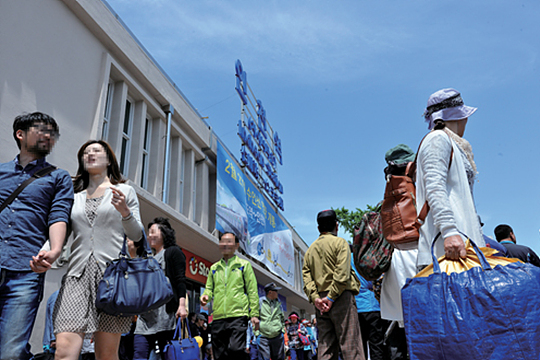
[95, 159]
[155, 239]
[457, 126]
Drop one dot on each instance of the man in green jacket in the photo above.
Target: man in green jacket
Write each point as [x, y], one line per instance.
[271, 342]
[232, 285]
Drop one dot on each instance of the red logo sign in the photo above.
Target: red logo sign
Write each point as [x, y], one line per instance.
[197, 268]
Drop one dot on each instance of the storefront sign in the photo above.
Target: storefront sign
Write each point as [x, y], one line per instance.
[197, 268]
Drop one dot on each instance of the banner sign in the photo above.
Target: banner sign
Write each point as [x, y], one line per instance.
[261, 145]
[243, 210]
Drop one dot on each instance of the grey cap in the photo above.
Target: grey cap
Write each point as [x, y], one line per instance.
[401, 154]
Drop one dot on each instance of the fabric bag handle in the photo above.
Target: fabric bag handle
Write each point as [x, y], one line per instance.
[123, 252]
[480, 254]
[181, 325]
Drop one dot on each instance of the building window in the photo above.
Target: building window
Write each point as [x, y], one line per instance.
[107, 112]
[126, 137]
[145, 153]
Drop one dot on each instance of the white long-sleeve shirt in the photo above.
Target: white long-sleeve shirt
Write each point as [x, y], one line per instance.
[448, 194]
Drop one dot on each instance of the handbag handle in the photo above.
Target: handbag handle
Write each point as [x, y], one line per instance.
[179, 325]
[480, 254]
[123, 252]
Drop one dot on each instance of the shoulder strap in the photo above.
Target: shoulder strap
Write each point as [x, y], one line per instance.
[42, 172]
[425, 209]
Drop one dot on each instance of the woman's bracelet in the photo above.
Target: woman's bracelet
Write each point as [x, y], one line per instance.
[127, 217]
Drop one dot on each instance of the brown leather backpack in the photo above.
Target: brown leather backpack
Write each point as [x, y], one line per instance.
[400, 221]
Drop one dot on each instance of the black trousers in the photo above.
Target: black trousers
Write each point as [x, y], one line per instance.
[229, 338]
[372, 328]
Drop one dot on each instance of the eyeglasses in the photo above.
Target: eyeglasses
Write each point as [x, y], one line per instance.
[46, 130]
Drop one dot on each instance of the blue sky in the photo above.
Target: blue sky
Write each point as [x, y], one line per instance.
[344, 81]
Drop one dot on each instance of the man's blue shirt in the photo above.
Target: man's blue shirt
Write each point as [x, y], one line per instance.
[24, 224]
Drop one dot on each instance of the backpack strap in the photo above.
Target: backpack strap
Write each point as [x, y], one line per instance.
[411, 170]
[38, 174]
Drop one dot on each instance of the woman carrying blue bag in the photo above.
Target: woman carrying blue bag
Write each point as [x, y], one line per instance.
[445, 177]
[159, 325]
[104, 209]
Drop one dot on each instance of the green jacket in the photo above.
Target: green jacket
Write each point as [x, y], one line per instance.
[233, 287]
[272, 320]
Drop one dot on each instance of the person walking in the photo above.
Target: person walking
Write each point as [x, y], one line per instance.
[272, 321]
[38, 212]
[330, 284]
[232, 285]
[372, 326]
[445, 176]
[295, 328]
[105, 209]
[158, 325]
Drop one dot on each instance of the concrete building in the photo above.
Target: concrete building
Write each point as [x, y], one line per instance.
[76, 61]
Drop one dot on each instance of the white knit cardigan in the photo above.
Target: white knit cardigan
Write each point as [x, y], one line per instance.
[448, 194]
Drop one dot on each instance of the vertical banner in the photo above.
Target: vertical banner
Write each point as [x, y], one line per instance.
[241, 208]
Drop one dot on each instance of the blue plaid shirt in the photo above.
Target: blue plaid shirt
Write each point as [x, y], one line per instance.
[24, 224]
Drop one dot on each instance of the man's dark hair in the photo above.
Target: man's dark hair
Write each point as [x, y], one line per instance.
[26, 121]
[167, 232]
[327, 226]
[502, 232]
[236, 240]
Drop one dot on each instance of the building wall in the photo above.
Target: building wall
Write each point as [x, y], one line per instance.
[74, 60]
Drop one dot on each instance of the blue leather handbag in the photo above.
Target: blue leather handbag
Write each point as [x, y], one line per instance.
[482, 313]
[182, 349]
[133, 286]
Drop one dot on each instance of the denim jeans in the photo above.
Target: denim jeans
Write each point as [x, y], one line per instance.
[20, 295]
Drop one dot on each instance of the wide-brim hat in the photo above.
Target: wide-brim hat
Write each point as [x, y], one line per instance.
[446, 105]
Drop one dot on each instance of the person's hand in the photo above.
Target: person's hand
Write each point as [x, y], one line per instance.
[322, 305]
[247, 349]
[327, 303]
[181, 312]
[454, 247]
[204, 300]
[119, 202]
[43, 260]
[255, 323]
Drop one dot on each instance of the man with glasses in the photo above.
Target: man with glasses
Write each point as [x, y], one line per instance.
[39, 212]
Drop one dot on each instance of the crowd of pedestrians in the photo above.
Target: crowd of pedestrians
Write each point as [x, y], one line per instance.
[100, 209]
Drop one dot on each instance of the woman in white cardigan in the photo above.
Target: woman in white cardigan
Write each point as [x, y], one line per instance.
[104, 209]
[447, 187]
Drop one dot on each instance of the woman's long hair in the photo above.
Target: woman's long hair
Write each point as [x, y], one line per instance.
[82, 178]
[167, 232]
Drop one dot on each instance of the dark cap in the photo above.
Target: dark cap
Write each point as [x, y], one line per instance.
[326, 217]
[271, 287]
[201, 317]
[401, 154]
